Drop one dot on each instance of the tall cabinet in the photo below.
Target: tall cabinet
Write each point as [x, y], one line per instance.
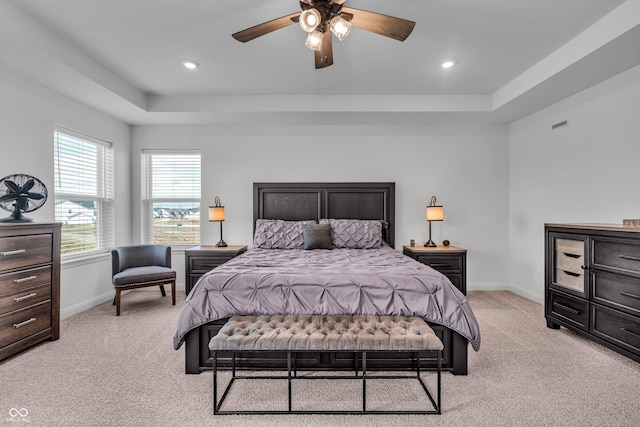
[592, 283]
[29, 285]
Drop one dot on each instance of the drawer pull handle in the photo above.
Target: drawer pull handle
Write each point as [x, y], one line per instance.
[572, 255]
[25, 279]
[627, 294]
[209, 265]
[438, 265]
[25, 323]
[571, 273]
[9, 253]
[564, 307]
[629, 257]
[635, 334]
[19, 299]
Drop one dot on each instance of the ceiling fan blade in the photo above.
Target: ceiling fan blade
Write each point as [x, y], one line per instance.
[324, 56]
[389, 26]
[265, 28]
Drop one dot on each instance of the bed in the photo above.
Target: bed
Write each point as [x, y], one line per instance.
[348, 280]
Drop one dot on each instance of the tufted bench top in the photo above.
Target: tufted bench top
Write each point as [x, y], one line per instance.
[326, 333]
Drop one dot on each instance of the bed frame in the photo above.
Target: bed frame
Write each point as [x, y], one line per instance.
[300, 201]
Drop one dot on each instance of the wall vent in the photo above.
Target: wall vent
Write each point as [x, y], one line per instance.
[557, 125]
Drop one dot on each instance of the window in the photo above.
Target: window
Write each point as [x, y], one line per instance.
[83, 174]
[171, 197]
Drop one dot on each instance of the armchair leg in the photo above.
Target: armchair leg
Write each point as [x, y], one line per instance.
[173, 292]
[164, 294]
[117, 301]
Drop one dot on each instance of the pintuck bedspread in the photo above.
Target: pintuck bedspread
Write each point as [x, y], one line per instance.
[331, 282]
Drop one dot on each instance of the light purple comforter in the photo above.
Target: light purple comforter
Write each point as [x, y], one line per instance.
[338, 281]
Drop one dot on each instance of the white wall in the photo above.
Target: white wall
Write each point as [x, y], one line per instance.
[466, 167]
[28, 113]
[586, 171]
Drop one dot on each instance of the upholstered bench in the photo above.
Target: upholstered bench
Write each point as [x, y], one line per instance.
[358, 334]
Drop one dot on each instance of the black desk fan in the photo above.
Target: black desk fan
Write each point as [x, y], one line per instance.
[21, 193]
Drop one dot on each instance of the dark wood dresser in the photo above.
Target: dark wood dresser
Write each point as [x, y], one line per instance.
[200, 259]
[29, 285]
[592, 283]
[448, 260]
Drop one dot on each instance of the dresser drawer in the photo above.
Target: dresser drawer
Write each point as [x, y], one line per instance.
[572, 310]
[617, 291]
[25, 298]
[20, 324]
[21, 280]
[23, 251]
[442, 263]
[617, 254]
[618, 328]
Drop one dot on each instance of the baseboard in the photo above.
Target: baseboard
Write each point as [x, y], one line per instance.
[100, 299]
[85, 305]
[525, 293]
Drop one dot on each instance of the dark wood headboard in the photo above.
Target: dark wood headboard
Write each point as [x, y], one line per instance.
[340, 200]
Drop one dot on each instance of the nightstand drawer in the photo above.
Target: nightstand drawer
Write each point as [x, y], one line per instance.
[23, 251]
[618, 328]
[203, 264]
[22, 323]
[442, 263]
[569, 309]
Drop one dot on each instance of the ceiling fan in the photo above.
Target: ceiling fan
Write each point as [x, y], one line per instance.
[320, 18]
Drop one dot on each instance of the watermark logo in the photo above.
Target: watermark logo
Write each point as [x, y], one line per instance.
[18, 415]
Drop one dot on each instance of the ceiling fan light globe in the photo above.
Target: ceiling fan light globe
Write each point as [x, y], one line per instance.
[340, 27]
[314, 40]
[310, 20]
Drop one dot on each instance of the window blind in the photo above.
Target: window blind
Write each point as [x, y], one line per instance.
[171, 197]
[84, 192]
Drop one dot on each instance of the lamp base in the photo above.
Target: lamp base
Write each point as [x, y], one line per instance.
[221, 244]
[430, 244]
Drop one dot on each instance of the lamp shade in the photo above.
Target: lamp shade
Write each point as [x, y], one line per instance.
[314, 40]
[340, 27]
[310, 19]
[216, 213]
[435, 213]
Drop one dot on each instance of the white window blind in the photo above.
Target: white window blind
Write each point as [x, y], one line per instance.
[171, 197]
[84, 191]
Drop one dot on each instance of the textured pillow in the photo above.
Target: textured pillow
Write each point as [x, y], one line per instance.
[355, 233]
[279, 234]
[316, 236]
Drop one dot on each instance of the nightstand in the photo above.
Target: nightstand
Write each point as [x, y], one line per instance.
[200, 259]
[448, 260]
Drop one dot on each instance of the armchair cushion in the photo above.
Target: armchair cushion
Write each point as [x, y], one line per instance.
[140, 275]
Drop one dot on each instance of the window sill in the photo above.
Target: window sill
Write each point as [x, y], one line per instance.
[71, 261]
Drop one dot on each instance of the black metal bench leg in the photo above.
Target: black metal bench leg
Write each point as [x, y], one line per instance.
[289, 378]
[364, 381]
[215, 382]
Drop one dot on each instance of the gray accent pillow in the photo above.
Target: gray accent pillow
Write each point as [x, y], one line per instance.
[316, 236]
[279, 234]
[355, 233]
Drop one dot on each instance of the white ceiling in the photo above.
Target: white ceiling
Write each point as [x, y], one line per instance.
[124, 57]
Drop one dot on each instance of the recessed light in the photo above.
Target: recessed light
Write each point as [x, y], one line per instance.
[447, 64]
[192, 65]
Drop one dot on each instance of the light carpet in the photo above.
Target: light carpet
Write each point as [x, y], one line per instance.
[122, 371]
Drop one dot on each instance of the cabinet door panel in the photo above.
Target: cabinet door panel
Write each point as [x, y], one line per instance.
[568, 259]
